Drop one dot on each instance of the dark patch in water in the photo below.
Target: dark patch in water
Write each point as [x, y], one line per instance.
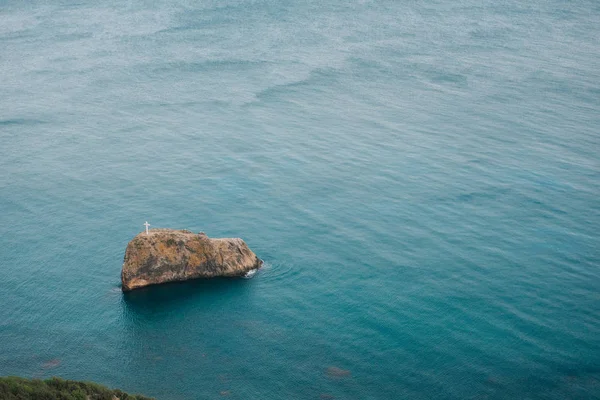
[55, 362]
[335, 372]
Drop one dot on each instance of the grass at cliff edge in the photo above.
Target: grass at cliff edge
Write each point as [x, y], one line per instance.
[14, 388]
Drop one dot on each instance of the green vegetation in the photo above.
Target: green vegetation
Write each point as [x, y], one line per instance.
[171, 242]
[14, 388]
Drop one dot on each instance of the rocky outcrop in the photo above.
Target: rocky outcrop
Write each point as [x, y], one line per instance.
[167, 255]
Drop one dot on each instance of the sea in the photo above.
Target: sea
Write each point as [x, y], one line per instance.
[420, 177]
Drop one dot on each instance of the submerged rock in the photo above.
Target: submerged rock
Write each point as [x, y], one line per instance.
[168, 255]
[335, 372]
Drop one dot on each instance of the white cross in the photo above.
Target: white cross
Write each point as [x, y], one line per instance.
[147, 225]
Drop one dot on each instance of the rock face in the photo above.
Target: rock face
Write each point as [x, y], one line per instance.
[167, 255]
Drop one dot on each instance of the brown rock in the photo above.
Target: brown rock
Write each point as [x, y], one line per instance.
[167, 255]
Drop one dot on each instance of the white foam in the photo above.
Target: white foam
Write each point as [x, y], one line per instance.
[250, 273]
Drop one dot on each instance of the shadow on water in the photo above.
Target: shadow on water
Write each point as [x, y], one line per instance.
[176, 331]
[168, 297]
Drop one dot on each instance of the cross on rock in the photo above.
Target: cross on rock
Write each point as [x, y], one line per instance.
[147, 225]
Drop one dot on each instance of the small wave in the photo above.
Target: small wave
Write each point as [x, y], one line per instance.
[279, 271]
[20, 121]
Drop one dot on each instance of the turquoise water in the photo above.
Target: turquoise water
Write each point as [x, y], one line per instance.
[421, 178]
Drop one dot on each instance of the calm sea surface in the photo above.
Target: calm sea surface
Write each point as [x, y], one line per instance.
[422, 179]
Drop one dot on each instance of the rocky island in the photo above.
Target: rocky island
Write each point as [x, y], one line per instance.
[168, 255]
